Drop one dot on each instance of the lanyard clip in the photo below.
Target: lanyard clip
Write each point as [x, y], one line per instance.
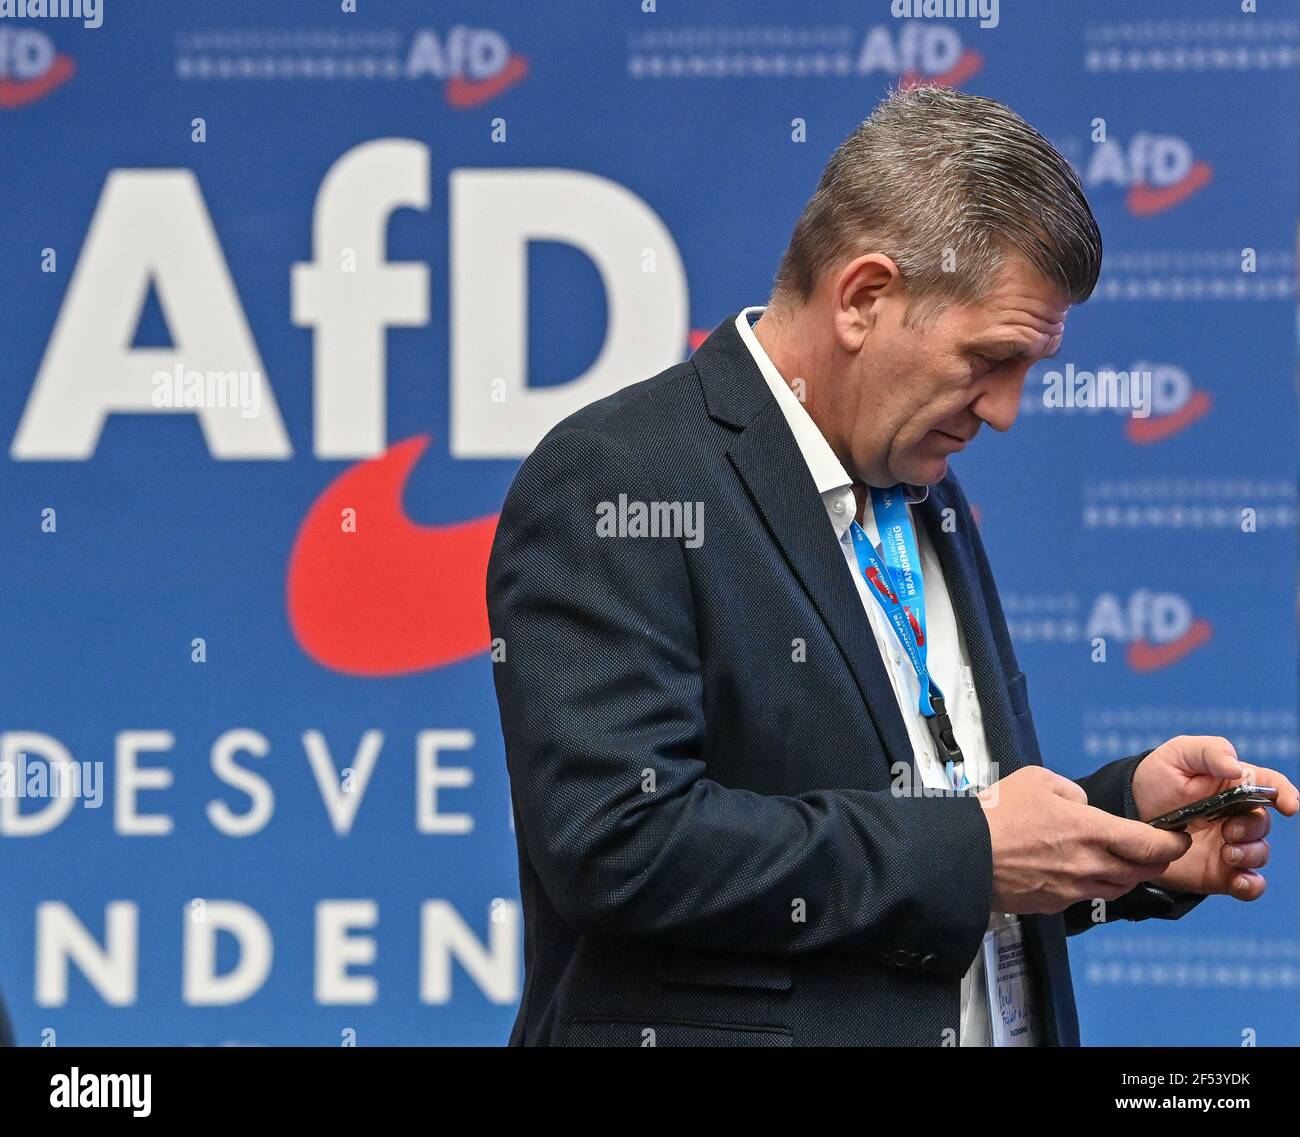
[941, 731]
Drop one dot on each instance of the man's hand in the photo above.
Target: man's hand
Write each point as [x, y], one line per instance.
[1224, 853]
[1052, 849]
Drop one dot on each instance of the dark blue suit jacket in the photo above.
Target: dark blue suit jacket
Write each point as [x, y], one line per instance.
[701, 743]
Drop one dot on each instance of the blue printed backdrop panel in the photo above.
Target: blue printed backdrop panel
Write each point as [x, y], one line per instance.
[289, 291]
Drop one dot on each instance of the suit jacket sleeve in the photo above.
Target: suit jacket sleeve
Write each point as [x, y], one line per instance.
[1111, 789]
[602, 705]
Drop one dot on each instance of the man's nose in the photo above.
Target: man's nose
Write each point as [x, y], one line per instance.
[1000, 404]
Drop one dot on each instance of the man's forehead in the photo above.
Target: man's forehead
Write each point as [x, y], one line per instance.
[1016, 333]
[1024, 299]
[1036, 347]
[1020, 318]
[1020, 332]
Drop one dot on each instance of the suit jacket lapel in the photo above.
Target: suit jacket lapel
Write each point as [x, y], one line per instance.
[958, 561]
[769, 462]
[774, 472]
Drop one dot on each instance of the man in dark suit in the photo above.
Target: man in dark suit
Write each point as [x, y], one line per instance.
[774, 773]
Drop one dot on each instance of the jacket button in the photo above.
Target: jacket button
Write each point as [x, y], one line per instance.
[903, 957]
[928, 960]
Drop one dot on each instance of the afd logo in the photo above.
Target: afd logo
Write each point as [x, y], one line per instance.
[919, 54]
[369, 591]
[1175, 405]
[1158, 627]
[30, 67]
[475, 64]
[1158, 170]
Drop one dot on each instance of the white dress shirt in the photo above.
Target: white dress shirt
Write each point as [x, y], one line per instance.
[946, 651]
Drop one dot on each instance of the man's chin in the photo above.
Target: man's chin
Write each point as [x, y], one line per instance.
[926, 472]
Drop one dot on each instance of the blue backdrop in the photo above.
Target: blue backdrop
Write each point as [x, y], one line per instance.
[273, 643]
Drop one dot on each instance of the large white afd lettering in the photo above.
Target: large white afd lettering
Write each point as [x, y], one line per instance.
[152, 227]
[149, 226]
[349, 295]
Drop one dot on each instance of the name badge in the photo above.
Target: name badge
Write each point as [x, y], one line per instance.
[1010, 996]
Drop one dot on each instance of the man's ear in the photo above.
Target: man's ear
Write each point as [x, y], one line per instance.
[860, 292]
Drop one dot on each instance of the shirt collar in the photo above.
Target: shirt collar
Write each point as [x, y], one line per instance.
[827, 471]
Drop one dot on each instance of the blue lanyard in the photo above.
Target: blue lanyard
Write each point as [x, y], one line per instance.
[898, 585]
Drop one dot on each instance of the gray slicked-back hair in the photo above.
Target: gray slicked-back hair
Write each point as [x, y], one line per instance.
[937, 179]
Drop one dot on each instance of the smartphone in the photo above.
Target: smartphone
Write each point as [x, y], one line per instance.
[1239, 799]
